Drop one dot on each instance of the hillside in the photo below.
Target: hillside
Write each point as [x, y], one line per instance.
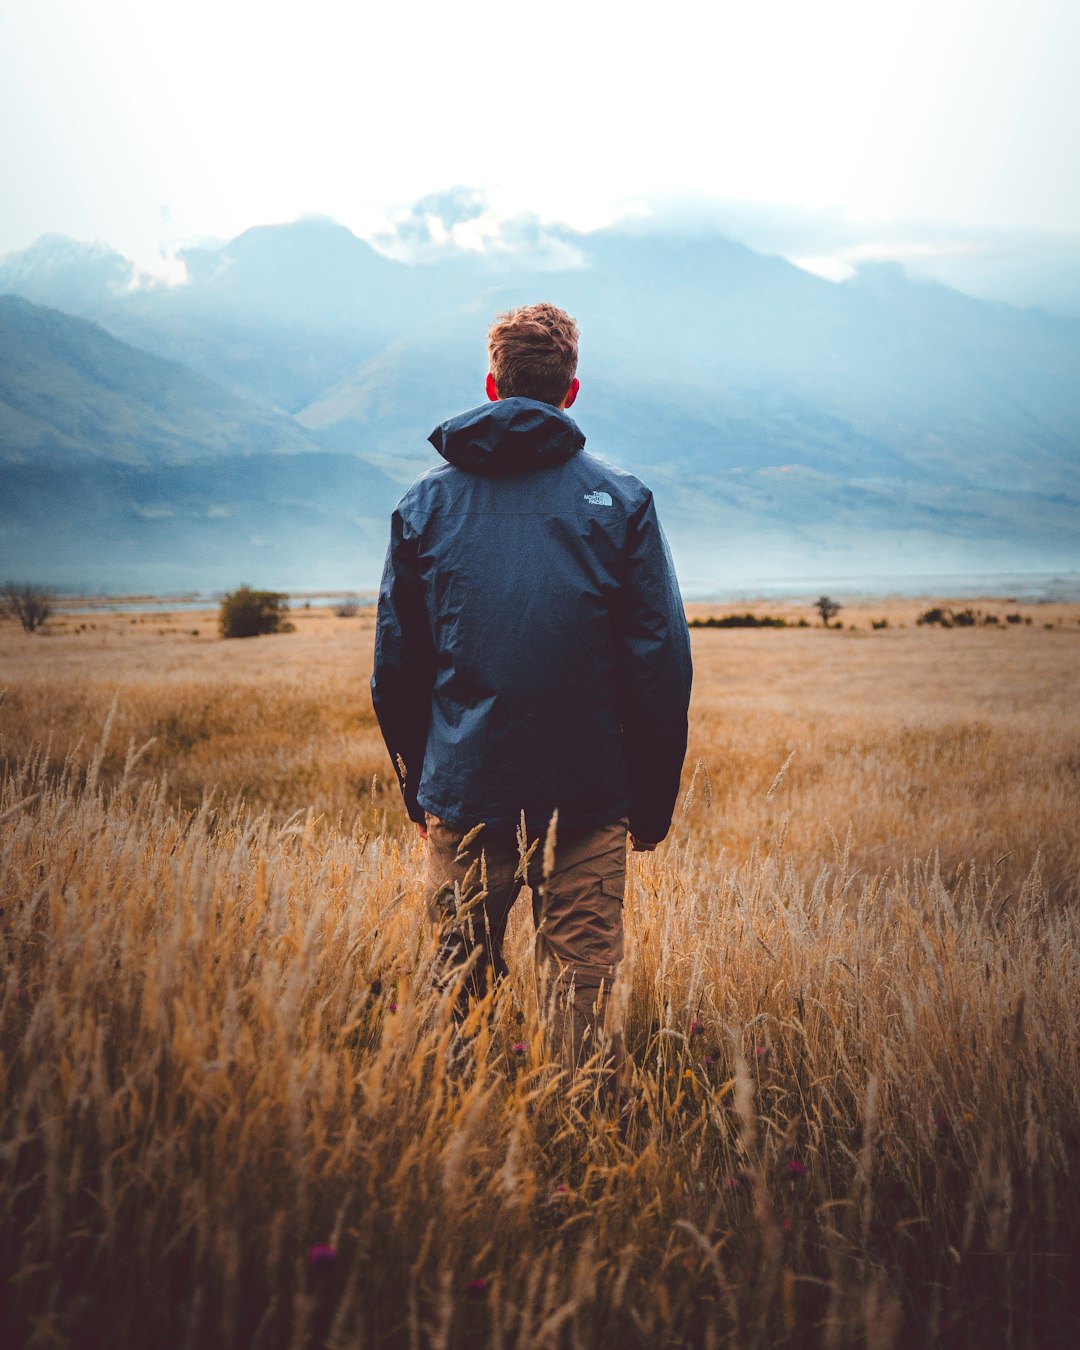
[68, 388]
[122, 470]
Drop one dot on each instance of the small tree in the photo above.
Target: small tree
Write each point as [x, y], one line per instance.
[248, 613]
[31, 605]
[828, 609]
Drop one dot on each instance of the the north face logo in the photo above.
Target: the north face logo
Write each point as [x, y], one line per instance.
[598, 498]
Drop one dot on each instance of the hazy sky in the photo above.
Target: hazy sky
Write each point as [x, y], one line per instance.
[146, 124]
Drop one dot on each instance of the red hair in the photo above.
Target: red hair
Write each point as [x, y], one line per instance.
[533, 353]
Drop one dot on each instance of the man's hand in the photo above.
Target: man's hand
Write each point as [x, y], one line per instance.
[642, 845]
[422, 828]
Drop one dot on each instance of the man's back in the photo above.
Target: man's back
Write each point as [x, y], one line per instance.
[531, 655]
[531, 651]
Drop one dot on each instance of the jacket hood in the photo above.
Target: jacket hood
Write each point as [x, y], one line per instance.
[510, 436]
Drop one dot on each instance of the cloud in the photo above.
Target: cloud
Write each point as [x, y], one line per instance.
[468, 220]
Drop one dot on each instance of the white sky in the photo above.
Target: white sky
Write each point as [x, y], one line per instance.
[145, 124]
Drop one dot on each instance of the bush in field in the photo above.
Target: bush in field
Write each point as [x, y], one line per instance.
[828, 609]
[248, 613]
[31, 605]
[960, 618]
[739, 621]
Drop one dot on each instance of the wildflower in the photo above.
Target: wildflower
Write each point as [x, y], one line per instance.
[761, 1052]
[476, 1288]
[688, 1073]
[733, 1183]
[561, 1188]
[696, 1028]
[709, 1061]
[393, 1007]
[944, 1125]
[321, 1257]
[785, 1224]
[796, 1170]
[519, 1047]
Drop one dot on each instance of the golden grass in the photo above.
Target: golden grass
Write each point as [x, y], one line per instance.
[854, 1118]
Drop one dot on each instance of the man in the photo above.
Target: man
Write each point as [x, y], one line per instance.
[532, 677]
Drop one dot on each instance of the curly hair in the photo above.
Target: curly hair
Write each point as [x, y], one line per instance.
[533, 353]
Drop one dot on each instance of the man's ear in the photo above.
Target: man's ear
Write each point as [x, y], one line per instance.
[571, 393]
[492, 391]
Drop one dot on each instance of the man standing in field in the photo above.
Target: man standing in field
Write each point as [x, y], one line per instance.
[532, 677]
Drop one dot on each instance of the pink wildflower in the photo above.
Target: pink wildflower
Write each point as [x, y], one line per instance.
[476, 1288]
[393, 1007]
[519, 1047]
[696, 1028]
[796, 1170]
[321, 1257]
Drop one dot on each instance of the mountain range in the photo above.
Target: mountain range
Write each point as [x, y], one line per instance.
[258, 421]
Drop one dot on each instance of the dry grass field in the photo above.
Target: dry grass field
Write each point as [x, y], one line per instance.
[230, 1114]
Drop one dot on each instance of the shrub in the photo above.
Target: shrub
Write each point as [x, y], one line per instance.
[828, 609]
[248, 613]
[739, 621]
[879, 623]
[31, 605]
[936, 615]
[348, 609]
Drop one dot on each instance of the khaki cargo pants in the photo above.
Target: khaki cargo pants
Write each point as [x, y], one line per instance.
[471, 885]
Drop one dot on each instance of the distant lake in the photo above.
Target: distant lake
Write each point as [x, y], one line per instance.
[1032, 587]
[166, 604]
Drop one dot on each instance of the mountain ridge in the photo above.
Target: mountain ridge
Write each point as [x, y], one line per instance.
[881, 418]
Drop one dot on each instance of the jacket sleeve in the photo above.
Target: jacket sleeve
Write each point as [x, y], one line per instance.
[653, 654]
[404, 673]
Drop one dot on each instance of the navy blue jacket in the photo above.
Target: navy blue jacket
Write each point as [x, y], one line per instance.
[531, 650]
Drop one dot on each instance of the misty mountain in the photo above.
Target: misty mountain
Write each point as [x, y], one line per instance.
[276, 315]
[787, 423]
[120, 469]
[62, 273]
[68, 388]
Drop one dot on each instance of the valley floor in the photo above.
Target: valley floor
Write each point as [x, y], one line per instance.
[232, 1112]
